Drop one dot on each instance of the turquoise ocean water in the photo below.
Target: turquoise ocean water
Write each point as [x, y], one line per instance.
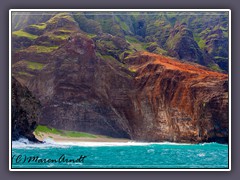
[118, 155]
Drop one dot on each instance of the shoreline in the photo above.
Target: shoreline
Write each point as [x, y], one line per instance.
[102, 139]
[58, 138]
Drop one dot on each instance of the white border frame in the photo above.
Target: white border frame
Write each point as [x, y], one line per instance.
[119, 10]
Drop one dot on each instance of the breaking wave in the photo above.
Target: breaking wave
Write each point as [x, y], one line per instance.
[48, 143]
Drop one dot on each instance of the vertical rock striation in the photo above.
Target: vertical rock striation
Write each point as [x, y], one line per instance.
[140, 96]
[79, 91]
[177, 101]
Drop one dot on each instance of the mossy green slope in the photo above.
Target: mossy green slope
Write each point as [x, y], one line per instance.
[44, 129]
[144, 31]
[22, 33]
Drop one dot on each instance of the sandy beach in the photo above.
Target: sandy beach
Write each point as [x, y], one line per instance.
[59, 138]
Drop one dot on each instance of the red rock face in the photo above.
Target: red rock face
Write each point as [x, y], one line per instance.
[178, 101]
[149, 98]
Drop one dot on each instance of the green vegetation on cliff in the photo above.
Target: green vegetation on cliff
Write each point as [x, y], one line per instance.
[201, 43]
[89, 35]
[196, 38]
[44, 129]
[154, 48]
[57, 17]
[215, 67]
[25, 74]
[34, 65]
[122, 24]
[40, 26]
[86, 24]
[40, 49]
[59, 35]
[21, 33]
[135, 43]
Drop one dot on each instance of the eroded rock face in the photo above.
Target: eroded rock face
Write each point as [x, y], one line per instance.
[177, 101]
[25, 112]
[82, 92]
[148, 97]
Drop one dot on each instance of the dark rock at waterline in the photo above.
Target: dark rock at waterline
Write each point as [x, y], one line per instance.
[25, 112]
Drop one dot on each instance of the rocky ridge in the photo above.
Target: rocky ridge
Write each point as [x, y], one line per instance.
[201, 37]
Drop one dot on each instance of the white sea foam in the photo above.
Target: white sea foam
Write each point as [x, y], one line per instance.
[48, 143]
[98, 144]
[129, 143]
[25, 143]
[201, 154]
[203, 144]
[150, 150]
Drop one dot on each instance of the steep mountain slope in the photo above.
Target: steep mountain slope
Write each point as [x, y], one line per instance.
[181, 45]
[29, 57]
[202, 35]
[76, 89]
[108, 84]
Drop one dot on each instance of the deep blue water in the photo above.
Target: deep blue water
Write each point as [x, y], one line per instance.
[120, 155]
